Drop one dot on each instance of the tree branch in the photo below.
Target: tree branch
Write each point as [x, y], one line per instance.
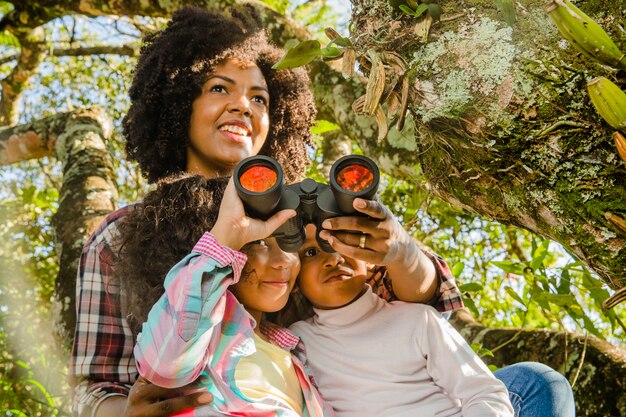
[126, 50]
[32, 54]
[586, 360]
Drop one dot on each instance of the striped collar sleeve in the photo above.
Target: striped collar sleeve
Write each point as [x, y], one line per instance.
[279, 336]
[208, 245]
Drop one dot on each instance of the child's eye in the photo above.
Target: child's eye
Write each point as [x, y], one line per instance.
[260, 242]
[310, 252]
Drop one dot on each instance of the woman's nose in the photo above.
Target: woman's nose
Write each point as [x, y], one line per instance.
[239, 104]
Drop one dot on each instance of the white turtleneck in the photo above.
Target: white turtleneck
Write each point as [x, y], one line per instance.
[374, 358]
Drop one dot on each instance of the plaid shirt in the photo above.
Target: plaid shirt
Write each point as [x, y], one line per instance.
[102, 363]
[198, 328]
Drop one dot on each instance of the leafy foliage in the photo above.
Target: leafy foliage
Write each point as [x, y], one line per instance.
[508, 276]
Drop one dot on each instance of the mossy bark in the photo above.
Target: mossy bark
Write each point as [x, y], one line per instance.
[88, 191]
[503, 125]
[596, 369]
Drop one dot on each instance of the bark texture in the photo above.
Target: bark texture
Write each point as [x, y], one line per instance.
[502, 124]
[596, 369]
[88, 192]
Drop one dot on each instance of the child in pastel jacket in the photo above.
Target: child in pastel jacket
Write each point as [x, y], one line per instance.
[208, 326]
[371, 357]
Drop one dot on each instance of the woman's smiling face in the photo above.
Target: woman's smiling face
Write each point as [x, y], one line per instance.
[229, 120]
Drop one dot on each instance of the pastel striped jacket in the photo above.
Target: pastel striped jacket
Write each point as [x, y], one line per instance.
[198, 329]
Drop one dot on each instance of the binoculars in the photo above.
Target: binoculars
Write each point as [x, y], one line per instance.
[260, 184]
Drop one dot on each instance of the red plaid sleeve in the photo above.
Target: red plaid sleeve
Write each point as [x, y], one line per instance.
[102, 353]
[447, 297]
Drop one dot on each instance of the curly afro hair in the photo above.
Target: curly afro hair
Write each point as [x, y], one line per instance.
[174, 64]
[161, 230]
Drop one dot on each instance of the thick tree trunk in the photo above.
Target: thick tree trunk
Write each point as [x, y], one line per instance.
[497, 133]
[503, 123]
[88, 192]
[596, 369]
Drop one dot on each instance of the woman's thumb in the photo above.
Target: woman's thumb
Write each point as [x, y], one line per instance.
[278, 220]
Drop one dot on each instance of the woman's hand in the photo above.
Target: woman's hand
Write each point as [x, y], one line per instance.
[146, 399]
[383, 239]
[234, 229]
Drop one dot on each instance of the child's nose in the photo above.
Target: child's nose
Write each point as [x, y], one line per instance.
[281, 259]
[333, 259]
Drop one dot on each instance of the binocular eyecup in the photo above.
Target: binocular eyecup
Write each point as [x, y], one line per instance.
[260, 184]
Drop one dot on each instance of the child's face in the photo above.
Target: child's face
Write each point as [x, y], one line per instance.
[268, 278]
[328, 280]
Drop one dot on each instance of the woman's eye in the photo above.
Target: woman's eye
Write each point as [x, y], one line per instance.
[310, 252]
[218, 89]
[260, 99]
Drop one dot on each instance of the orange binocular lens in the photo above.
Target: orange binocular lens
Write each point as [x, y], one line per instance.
[258, 178]
[355, 178]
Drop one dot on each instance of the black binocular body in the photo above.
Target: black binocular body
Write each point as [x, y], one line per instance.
[260, 184]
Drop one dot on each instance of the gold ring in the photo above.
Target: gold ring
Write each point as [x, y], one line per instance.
[362, 241]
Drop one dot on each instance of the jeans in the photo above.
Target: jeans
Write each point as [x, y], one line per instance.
[536, 390]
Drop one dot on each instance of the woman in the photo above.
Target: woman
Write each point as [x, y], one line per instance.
[203, 97]
[182, 120]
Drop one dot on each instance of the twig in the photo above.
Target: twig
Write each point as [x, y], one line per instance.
[582, 360]
[559, 124]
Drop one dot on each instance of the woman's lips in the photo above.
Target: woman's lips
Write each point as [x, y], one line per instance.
[235, 137]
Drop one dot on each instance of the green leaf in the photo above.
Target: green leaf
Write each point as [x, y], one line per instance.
[471, 287]
[420, 10]
[330, 52]
[341, 41]
[493, 368]
[9, 39]
[563, 300]
[458, 268]
[516, 268]
[511, 292]
[591, 327]
[299, 55]
[507, 8]
[323, 126]
[406, 9]
[564, 282]
[6, 7]
[576, 311]
[539, 255]
[44, 391]
[434, 10]
[469, 303]
[291, 43]
[481, 350]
